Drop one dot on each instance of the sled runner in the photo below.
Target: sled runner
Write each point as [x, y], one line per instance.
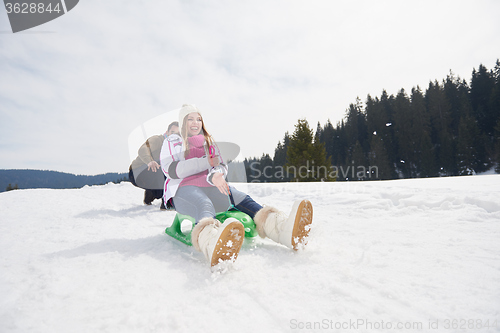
[185, 237]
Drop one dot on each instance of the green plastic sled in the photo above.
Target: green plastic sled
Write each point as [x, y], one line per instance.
[175, 229]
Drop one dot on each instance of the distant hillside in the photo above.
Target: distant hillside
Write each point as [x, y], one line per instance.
[23, 179]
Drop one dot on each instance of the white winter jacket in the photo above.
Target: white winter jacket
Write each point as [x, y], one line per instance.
[176, 167]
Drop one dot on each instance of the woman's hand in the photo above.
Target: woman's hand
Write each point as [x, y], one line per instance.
[153, 166]
[214, 161]
[219, 181]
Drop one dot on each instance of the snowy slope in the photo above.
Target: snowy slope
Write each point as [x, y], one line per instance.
[409, 253]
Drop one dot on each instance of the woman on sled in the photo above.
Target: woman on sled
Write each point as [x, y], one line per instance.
[196, 184]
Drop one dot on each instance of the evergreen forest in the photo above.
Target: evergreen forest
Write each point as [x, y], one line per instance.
[451, 128]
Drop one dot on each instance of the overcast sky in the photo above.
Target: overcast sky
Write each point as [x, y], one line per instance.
[72, 90]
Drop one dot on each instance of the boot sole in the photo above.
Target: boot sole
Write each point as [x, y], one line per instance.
[301, 227]
[229, 243]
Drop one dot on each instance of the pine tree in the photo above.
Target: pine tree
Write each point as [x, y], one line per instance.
[404, 134]
[482, 88]
[467, 155]
[340, 145]
[266, 169]
[299, 151]
[280, 151]
[252, 170]
[458, 109]
[306, 157]
[321, 162]
[427, 158]
[375, 117]
[495, 105]
[439, 110]
[379, 161]
[389, 136]
[359, 164]
[355, 125]
[497, 147]
[280, 159]
[327, 136]
[420, 129]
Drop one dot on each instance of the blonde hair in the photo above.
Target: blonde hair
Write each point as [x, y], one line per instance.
[209, 141]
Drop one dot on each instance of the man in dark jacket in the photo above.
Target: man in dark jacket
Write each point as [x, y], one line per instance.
[145, 171]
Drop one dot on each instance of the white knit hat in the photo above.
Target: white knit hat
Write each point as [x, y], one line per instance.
[185, 110]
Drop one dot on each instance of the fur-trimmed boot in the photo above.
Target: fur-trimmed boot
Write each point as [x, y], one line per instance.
[218, 241]
[291, 230]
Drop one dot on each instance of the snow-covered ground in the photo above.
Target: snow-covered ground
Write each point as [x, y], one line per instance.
[406, 255]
